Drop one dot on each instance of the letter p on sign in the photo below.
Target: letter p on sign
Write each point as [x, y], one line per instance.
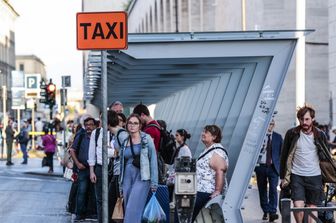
[101, 30]
[32, 82]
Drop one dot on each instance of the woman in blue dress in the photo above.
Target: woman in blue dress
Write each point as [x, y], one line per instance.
[138, 170]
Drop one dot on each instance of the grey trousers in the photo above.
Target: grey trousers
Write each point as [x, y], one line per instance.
[9, 151]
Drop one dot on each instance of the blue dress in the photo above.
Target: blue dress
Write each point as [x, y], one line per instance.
[135, 191]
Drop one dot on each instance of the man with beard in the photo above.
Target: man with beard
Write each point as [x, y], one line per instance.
[299, 163]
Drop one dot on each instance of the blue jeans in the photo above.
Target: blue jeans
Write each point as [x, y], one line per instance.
[82, 191]
[268, 199]
[24, 152]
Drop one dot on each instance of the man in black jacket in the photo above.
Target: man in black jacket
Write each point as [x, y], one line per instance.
[299, 163]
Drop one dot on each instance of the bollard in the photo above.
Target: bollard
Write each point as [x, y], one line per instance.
[286, 210]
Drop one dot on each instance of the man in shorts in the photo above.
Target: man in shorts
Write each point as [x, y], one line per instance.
[299, 164]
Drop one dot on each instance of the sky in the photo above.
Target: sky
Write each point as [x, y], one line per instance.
[47, 29]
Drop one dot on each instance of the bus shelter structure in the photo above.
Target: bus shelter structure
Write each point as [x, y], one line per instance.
[232, 79]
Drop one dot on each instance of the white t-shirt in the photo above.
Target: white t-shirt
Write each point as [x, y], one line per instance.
[306, 160]
[184, 151]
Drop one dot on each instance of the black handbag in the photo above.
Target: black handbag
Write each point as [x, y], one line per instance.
[45, 162]
[136, 158]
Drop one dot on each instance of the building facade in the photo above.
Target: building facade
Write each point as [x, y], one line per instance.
[332, 58]
[31, 64]
[7, 50]
[222, 15]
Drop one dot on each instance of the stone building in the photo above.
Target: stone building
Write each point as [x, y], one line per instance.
[31, 64]
[7, 49]
[222, 15]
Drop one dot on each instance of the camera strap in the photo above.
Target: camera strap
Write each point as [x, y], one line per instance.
[132, 149]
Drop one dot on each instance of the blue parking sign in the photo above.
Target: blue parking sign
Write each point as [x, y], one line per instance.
[32, 82]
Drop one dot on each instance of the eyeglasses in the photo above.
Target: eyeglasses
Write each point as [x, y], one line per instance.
[133, 123]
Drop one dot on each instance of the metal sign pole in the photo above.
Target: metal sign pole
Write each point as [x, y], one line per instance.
[104, 130]
[33, 125]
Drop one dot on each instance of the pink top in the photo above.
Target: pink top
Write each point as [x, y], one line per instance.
[49, 143]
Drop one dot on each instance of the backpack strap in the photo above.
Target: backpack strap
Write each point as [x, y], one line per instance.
[80, 139]
[118, 133]
[97, 136]
[177, 151]
[154, 125]
[212, 150]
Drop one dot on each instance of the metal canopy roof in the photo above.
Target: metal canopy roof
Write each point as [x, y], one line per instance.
[232, 79]
[158, 65]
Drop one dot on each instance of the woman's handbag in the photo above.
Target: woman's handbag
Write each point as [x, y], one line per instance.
[136, 161]
[45, 162]
[118, 212]
[68, 173]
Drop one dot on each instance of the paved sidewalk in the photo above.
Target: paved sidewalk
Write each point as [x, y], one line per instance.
[34, 165]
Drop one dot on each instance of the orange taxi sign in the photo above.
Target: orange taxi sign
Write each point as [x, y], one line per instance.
[101, 30]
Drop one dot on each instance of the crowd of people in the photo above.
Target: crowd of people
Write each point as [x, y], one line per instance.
[133, 146]
[136, 170]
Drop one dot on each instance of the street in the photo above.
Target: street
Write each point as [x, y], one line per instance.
[28, 195]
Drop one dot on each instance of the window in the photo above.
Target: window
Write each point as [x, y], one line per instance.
[21, 67]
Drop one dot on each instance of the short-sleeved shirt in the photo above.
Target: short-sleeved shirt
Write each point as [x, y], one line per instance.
[154, 133]
[206, 176]
[184, 151]
[82, 150]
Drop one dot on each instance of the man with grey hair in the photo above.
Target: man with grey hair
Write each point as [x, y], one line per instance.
[117, 106]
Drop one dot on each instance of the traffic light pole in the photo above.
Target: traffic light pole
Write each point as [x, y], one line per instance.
[63, 90]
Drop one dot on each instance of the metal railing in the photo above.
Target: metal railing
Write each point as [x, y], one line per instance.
[286, 210]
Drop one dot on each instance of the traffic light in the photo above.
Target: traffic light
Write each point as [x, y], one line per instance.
[43, 93]
[51, 94]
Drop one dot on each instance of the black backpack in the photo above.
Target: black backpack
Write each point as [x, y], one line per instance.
[167, 148]
[22, 138]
